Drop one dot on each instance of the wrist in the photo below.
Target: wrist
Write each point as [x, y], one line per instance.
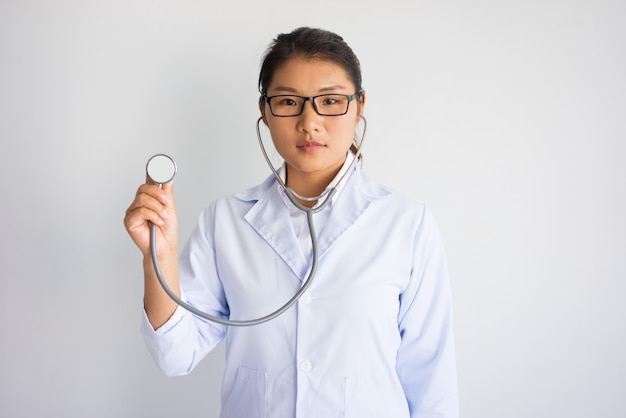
[166, 257]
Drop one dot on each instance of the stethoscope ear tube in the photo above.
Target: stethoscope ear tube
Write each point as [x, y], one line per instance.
[280, 180]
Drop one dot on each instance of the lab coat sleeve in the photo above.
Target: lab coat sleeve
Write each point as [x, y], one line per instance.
[426, 361]
[179, 344]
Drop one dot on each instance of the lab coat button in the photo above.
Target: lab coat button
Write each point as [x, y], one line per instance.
[305, 366]
[306, 298]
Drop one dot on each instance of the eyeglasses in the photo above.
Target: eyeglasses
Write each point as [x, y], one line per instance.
[286, 105]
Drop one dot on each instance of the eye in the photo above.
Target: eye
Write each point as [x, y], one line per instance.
[286, 101]
[332, 100]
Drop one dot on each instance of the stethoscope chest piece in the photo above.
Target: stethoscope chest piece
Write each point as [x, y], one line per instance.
[161, 169]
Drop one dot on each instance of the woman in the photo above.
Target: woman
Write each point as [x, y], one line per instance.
[372, 336]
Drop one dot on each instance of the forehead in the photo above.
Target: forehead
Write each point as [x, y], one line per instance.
[310, 76]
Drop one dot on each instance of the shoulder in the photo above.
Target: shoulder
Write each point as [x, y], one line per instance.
[391, 200]
[242, 201]
[253, 194]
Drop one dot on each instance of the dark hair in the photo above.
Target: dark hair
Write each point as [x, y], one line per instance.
[311, 44]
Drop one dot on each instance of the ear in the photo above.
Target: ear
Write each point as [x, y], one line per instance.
[262, 109]
[361, 102]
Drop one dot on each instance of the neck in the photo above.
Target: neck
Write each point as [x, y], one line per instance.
[308, 185]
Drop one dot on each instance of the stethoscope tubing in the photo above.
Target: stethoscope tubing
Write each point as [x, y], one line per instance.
[249, 322]
[327, 196]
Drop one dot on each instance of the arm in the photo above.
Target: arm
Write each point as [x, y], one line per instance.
[426, 361]
[176, 339]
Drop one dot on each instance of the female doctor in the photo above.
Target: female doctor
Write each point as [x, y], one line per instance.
[372, 336]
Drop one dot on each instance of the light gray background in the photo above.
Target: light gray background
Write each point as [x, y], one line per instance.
[508, 119]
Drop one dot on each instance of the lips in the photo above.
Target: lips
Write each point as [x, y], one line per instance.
[310, 146]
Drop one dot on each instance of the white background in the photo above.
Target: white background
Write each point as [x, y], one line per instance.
[507, 118]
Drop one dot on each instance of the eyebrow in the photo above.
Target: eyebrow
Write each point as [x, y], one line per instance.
[286, 89]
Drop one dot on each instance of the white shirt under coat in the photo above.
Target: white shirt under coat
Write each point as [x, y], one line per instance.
[371, 338]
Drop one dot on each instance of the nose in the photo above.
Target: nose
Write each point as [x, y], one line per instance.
[309, 120]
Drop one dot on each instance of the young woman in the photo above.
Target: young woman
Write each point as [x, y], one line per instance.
[372, 336]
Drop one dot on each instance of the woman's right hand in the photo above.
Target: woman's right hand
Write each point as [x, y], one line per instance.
[153, 205]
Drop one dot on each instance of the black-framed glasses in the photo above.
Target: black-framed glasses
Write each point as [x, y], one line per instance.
[285, 105]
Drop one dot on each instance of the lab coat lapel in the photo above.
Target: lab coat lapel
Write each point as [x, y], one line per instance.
[271, 220]
[349, 206]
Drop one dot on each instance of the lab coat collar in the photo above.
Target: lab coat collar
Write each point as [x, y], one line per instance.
[269, 216]
[337, 182]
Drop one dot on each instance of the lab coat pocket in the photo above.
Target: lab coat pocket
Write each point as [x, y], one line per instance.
[248, 397]
[374, 396]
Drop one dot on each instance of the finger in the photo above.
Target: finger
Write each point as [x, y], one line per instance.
[150, 181]
[156, 192]
[168, 187]
[137, 217]
[156, 203]
[169, 184]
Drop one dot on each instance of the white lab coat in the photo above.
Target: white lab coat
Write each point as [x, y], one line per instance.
[371, 338]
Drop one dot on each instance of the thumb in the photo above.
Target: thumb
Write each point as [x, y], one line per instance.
[168, 187]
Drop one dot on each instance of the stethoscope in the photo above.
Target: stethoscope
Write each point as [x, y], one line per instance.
[161, 169]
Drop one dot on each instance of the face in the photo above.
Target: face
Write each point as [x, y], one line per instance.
[313, 146]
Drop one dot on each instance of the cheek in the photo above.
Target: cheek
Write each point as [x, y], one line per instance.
[280, 134]
[343, 131]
